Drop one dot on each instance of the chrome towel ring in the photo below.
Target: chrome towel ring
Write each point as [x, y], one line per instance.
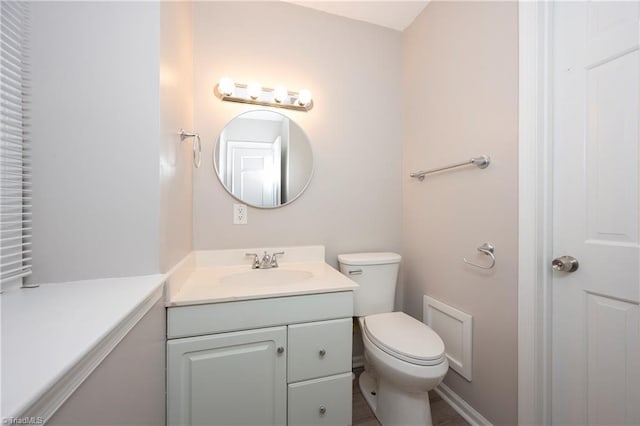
[197, 146]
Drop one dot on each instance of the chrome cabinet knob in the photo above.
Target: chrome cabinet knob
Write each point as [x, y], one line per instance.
[565, 264]
[323, 410]
[322, 352]
[280, 349]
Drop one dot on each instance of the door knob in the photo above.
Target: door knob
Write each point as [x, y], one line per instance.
[565, 264]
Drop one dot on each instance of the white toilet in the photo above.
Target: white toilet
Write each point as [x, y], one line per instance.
[404, 358]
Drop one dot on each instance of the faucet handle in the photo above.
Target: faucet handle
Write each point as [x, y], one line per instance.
[256, 259]
[274, 259]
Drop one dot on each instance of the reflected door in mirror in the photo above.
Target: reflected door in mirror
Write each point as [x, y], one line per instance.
[263, 158]
[253, 172]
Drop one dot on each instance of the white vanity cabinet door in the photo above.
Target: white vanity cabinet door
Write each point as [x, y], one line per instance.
[321, 402]
[318, 349]
[228, 379]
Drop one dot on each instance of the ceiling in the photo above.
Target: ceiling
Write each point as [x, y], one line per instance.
[396, 15]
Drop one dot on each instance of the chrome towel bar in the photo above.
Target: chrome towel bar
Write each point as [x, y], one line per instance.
[482, 162]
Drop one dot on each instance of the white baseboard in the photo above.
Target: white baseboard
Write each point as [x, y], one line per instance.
[357, 361]
[461, 406]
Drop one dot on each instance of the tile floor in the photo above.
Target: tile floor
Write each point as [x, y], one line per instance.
[441, 412]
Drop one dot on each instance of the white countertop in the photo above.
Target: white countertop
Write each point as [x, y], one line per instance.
[47, 332]
[207, 284]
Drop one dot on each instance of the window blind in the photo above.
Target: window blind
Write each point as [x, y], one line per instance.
[15, 163]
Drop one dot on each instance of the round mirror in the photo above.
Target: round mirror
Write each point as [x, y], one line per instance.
[263, 158]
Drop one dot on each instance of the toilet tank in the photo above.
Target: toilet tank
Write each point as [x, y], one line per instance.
[377, 275]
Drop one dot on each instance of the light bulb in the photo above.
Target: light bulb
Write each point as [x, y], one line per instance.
[254, 90]
[280, 94]
[226, 86]
[304, 97]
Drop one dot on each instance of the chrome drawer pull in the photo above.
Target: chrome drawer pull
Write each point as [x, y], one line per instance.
[322, 352]
[323, 410]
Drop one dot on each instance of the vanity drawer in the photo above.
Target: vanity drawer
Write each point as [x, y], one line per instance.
[319, 349]
[325, 401]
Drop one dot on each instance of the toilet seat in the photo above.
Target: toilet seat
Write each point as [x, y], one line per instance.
[405, 338]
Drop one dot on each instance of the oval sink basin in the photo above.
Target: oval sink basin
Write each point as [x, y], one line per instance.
[266, 277]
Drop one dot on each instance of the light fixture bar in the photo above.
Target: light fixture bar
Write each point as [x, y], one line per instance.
[253, 94]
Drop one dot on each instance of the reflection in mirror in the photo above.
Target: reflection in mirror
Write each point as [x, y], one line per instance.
[263, 159]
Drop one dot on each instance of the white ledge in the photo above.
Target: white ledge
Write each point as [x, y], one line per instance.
[54, 336]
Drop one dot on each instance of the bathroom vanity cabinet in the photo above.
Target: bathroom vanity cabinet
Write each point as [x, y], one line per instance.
[274, 361]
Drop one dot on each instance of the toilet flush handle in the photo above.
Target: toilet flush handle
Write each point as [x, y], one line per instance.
[355, 272]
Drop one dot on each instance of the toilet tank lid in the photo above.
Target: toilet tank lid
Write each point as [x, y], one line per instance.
[369, 258]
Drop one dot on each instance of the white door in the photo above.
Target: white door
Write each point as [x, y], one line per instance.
[596, 314]
[228, 379]
[254, 172]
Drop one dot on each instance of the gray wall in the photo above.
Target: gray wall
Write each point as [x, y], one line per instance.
[95, 139]
[176, 112]
[460, 75]
[352, 69]
[112, 86]
[128, 387]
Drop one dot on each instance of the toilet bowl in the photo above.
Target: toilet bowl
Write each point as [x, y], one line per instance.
[396, 382]
[404, 358]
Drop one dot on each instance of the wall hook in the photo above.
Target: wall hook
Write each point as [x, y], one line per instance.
[487, 249]
[197, 146]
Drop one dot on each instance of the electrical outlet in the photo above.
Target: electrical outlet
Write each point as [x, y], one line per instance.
[239, 214]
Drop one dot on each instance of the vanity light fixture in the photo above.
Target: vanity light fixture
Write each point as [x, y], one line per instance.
[254, 93]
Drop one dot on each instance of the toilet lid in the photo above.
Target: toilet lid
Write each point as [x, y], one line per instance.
[405, 338]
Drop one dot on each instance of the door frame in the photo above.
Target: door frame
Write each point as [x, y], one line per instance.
[535, 239]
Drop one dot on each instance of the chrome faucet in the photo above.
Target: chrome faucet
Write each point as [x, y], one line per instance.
[267, 261]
